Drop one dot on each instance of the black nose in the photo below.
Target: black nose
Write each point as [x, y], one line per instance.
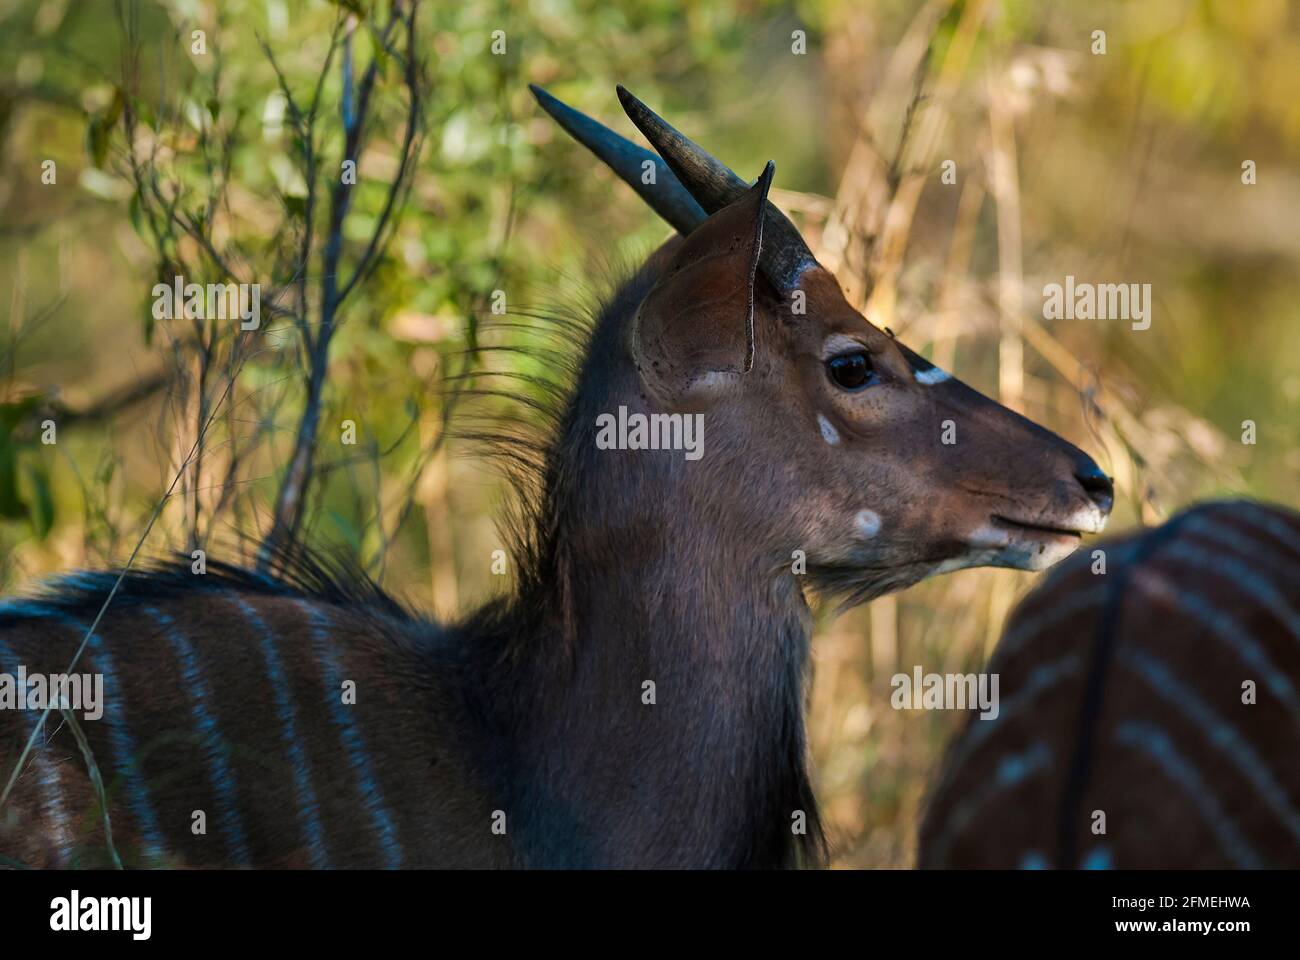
[1098, 486]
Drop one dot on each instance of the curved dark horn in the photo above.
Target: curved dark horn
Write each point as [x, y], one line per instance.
[666, 196]
[785, 256]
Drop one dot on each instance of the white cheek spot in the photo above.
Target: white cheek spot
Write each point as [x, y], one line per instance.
[829, 433]
[932, 376]
[867, 523]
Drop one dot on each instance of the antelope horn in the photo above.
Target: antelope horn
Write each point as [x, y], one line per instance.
[785, 256]
[666, 196]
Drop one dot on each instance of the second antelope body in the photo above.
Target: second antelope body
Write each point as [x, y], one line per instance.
[519, 736]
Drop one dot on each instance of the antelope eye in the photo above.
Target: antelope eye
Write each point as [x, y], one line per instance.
[851, 371]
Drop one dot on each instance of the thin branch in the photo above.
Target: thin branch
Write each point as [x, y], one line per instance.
[290, 502]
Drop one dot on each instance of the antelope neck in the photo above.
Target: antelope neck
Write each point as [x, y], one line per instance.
[675, 736]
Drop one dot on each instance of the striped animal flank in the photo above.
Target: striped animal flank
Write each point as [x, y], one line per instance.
[215, 747]
[351, 737]
[1174, 733]
[124, 749]
[226, 738]
[45, 765]
[306, 808]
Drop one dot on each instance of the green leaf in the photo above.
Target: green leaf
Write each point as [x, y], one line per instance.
[133, 211]
[97, 141]
[11, 505]
[149, 322]
[354, 6]
[114, 108]
[40, 503]
[11, 415]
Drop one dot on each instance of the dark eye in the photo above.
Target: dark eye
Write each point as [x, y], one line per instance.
[851, 371]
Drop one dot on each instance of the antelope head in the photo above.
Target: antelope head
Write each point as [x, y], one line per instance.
[827, 435]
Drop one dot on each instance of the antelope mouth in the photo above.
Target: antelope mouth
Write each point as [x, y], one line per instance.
[1028, 545]
[1042, 529]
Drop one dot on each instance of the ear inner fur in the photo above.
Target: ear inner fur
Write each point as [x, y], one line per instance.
[690, 329]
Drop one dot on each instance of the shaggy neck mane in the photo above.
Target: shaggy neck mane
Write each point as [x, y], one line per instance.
[626, 595]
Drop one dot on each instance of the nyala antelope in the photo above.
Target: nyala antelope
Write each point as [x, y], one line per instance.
[525, 735]
[1150, 712]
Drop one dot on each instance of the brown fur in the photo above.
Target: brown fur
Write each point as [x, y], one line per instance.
[404, 708]
[1225, 557]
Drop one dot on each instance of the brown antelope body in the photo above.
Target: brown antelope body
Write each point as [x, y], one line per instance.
[1150, 715]
[526, 735]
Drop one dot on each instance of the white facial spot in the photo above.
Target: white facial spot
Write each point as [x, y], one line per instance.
[867, 523]
[829, 433]
[932, 376]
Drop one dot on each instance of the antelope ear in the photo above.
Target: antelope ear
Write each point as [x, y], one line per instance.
[693, 335]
